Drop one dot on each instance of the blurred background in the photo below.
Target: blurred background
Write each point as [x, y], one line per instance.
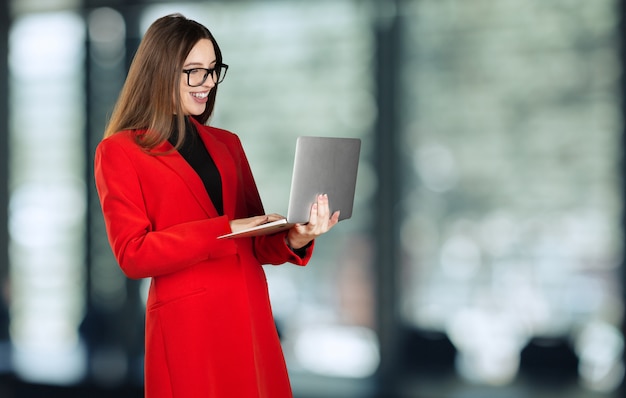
[485, 253]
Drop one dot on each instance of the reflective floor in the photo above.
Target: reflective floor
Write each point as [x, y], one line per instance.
[411, 387]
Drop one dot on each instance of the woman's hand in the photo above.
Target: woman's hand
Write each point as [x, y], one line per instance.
[245, 223]
[320, 222]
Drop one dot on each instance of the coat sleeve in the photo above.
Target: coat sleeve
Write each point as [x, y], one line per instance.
[273, 249]
[140, 250]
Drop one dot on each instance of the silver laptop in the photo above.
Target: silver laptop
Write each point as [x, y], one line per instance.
[321, 165]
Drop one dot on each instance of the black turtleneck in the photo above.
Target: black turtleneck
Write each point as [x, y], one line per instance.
[196, 154]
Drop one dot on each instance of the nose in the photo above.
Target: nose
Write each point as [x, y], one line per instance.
[209, 82]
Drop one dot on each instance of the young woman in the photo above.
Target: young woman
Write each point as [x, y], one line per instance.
[169, 186]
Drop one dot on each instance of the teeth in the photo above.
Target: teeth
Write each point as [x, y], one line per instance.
[200, 95]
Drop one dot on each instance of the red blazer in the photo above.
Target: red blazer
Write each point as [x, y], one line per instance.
[209, 326]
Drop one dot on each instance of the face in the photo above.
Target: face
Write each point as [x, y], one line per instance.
[194, 99]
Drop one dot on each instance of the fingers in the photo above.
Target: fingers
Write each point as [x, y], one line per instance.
[258, 220]
[313, 215]
[323, 209]
[320, 220]
[274, 217]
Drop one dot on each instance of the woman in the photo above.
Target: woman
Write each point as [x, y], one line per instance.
[169, 186]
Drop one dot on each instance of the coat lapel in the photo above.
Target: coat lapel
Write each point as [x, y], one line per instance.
[179, 165]
[225, 165]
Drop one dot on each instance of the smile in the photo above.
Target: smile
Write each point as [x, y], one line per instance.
[200, 95]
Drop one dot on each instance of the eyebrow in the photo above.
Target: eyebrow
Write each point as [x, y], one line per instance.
[198, 64]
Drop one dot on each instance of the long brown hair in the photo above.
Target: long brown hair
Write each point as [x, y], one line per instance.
[151, 96]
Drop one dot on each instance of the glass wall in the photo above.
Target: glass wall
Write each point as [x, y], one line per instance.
[47, 191]
[511, 127]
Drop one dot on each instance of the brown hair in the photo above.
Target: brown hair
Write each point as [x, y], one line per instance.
[151, 96]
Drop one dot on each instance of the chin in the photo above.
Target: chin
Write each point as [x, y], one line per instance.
[194, 111]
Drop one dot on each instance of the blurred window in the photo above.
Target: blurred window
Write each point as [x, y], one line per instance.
[511, 128]
[47, 191]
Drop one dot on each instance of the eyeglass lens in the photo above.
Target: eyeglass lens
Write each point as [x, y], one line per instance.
[197, 76]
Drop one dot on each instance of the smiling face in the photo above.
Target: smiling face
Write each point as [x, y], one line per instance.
[194, 99]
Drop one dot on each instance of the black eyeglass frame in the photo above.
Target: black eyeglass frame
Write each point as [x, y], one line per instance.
[207, 72]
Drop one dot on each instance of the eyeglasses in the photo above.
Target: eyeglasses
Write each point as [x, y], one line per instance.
[197, 76]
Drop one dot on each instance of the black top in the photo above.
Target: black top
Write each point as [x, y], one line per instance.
[196, 154]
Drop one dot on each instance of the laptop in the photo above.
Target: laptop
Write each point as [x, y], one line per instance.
[322, 165]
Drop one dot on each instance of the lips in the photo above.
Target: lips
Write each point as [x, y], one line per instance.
[200, 98]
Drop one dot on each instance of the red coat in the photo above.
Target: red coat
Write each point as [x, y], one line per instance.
[209, 326]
